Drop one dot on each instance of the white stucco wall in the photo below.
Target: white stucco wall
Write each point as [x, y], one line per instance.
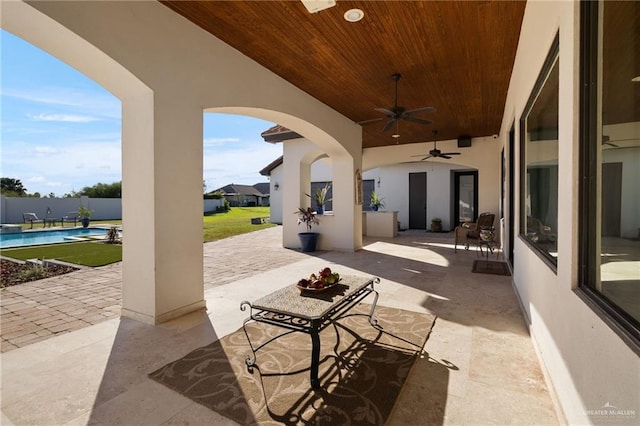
[393, 165]
[275, 195]
[587, 362]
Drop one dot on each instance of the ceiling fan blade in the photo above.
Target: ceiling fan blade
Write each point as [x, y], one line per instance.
[389, 124]
[368, 121]
[415, 119]
[450, 153]
[444, 156]
[420, 110]
[385, 111]
[428, 156]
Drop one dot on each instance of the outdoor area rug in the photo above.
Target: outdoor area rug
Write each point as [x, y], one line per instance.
[490, 267]
[362, 371]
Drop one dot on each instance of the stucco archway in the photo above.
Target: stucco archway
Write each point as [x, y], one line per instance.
[166, 71]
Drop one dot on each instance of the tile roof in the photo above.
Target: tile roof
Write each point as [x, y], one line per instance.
[263, 187]
[235, 188]
[266, 171]
[279, 133]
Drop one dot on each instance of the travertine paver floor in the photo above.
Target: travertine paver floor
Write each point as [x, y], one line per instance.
[479, 366]
[38, 310]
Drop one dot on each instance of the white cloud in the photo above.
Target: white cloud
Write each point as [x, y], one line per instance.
[98, 103]
[209, 142]
[76, 165]
[45, 150]
[64, 118]
[240, 165]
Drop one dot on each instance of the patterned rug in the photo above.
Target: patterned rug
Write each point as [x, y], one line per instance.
[490, 267]
[362, 370]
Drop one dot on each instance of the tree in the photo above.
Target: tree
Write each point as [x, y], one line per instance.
[102, 190]
[12, 187]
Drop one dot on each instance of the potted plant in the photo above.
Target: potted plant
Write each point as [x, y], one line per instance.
[320, 197]
[84, 214]
[376, 202]
[436, 224]
[308, 239]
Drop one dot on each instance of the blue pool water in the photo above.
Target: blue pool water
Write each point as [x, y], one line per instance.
[31, 238]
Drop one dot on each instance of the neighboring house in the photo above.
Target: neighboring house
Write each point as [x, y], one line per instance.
[263, 188]
[246, 195]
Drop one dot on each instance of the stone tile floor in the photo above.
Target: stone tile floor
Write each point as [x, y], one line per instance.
[38, 310]
[479, 364]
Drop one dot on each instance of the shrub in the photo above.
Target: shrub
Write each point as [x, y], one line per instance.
[113, 237]
[35, 272]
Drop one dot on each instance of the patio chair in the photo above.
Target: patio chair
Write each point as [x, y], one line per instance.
[70, 217]
[31, 218]
[471, 230]
[539, 232]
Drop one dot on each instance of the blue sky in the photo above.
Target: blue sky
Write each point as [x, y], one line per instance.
[61, 131]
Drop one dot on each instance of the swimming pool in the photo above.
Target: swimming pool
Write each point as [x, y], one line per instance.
[31, 238]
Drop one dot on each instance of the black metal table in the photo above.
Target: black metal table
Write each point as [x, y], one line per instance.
[309, 312]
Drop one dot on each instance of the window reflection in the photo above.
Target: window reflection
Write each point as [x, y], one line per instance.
[610, 153]
[539, 145]
[619, 157]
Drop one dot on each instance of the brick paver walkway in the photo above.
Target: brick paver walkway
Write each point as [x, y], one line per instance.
[37, 310]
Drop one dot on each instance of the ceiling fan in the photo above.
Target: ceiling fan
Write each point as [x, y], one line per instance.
[435, 152]
[621, 143]
[396, 112]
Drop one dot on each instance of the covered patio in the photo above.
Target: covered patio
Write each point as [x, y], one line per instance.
[478, 366]
[532, 86]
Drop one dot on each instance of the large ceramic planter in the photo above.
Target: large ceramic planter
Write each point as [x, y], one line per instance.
[85, 222]
[309, 241]
[436, 226]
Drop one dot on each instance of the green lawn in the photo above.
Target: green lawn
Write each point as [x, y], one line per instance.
[216, 227]
[80, 253]
[234, 222]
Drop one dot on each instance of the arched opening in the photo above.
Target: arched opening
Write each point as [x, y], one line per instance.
[162, 132]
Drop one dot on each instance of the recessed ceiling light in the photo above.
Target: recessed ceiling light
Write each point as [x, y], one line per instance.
[636, 79]
[353, 15]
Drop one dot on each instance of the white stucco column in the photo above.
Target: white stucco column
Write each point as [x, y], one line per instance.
[296, 175]
[347, 228]
[162, 208]
[339, 230]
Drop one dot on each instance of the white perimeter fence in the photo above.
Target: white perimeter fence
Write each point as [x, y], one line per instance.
[12, 208]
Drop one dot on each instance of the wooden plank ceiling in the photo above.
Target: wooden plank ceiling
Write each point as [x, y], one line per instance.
[454, 56]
